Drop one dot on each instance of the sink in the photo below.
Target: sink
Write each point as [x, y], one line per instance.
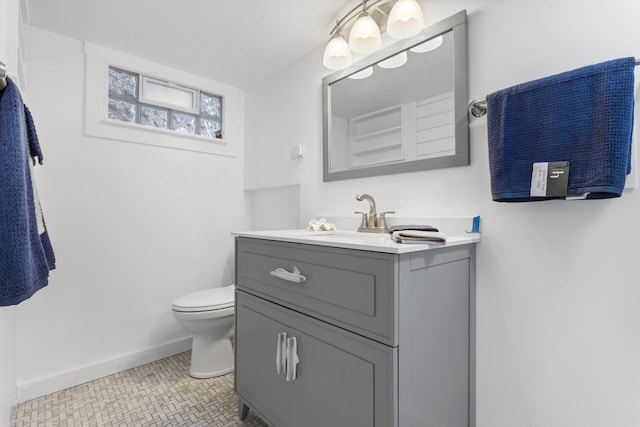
[354, 235]
[333, 234]
[338, 236]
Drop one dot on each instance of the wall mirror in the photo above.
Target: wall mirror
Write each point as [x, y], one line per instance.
[401, 109]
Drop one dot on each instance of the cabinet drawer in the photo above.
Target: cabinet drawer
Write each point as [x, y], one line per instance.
[352, 289]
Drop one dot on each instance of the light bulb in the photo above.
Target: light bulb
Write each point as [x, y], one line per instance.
[365, 35]
[405, 19]
[362, 74]
[428, 46]
[395, 61]
[337, 55]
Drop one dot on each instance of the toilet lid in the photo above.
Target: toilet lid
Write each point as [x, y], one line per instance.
[210, 299]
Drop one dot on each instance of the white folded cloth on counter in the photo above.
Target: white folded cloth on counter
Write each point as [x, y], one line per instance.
[418, 236]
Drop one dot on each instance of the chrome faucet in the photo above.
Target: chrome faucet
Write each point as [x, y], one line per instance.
[372, 222]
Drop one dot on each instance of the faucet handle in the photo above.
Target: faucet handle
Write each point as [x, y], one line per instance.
[364, 222]
[382, 222]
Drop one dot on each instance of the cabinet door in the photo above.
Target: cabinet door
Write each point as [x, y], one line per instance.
[256, 381]
[342, 379]
[336, 384]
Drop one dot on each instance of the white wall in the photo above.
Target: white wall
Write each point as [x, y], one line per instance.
[276, 208]
[133, 228]
[557, 282]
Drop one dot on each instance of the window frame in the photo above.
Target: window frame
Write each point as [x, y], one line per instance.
[145, 79]
[97, 123]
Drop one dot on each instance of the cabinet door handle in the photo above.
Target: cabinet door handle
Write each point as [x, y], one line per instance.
[281, 353]
[292, 359]
[294, 276]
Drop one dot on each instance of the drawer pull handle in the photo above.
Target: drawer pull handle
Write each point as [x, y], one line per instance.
[292, 359]
[294, 276]
[281, 353]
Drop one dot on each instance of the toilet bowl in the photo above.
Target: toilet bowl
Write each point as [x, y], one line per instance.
[208, 315]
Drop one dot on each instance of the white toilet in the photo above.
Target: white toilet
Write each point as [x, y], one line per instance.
[208, 315]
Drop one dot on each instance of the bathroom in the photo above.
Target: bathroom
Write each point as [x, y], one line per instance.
[134, 225]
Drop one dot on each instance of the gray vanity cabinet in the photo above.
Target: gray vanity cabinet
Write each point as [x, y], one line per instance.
[380, 339]
[342, 379]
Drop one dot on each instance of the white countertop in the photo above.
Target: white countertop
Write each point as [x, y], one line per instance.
[353, 240]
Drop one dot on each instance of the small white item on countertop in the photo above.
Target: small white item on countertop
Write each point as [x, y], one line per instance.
[320, 225]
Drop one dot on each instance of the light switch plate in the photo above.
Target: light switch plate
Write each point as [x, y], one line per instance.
[297, 152]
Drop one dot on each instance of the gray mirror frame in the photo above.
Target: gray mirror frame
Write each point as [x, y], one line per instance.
[458, 25]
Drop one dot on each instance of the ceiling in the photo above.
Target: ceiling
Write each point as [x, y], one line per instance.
[237, 42]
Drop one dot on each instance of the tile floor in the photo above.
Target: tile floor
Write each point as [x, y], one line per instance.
[158, 394]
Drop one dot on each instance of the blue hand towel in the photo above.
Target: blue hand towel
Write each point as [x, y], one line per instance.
[584, 116]
[26, 255]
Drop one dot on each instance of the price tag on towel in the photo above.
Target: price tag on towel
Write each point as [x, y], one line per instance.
[550, 179]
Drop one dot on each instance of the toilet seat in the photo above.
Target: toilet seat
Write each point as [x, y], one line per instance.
[207, 300]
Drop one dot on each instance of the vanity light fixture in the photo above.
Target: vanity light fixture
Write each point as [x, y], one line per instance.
[395, 61]
[362, 74]
[428, 46]
[337, 55]
[404, 20]
[365, 34]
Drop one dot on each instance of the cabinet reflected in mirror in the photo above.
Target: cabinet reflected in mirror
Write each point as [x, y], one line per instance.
[402, 109]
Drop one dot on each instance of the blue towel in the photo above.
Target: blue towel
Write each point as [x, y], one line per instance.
[26, 255]
[584, 116]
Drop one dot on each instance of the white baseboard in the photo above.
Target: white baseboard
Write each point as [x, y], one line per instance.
[37, 388]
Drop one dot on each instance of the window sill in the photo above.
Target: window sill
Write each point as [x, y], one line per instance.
[148, 135]
[168, 132]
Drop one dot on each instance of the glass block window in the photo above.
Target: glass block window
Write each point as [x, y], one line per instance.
[154, 116]
[123, 110]
[210, 128]
[123, 83]
[183, 122]
[211, 105]
[139, 99]
[210, 115]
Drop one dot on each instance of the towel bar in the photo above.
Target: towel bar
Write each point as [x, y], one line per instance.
[479, 108]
